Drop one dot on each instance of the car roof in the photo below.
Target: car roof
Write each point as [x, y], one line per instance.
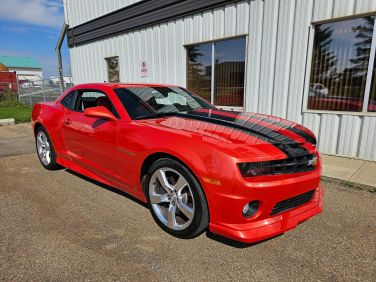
[124, 85]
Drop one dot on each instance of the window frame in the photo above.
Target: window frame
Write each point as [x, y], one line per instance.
[212, 87]
[309, 57]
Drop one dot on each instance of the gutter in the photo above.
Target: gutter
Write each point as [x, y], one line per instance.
[58, 53]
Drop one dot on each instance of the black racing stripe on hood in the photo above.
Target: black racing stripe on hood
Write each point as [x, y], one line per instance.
[309, 138]
[297, 131]
[302, 133]
[288, 146]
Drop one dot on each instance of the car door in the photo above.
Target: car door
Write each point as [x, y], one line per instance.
[91, 142]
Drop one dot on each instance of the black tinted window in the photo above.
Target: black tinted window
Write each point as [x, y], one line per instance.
[132, 104]
[68, 100]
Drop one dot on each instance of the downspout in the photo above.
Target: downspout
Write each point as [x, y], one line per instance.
[58, 53]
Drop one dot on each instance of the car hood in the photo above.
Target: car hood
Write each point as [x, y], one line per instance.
[244, 133]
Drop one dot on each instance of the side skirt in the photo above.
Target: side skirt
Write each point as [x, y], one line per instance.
[85, 172]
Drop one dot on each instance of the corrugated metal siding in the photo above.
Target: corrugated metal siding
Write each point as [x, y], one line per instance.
[278, 59]
[347, 135]
[268, 55]
[80, 11]
[161, 46]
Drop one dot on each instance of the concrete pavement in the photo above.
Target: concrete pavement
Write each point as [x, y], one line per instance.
[7, 121]
[353, 171]
[16, 139]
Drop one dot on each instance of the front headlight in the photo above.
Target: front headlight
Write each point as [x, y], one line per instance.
[285, 166]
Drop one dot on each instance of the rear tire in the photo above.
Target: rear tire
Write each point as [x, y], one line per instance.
[45, 149]
[176, 199]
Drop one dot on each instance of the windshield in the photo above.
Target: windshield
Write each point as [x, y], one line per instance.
[149, 102]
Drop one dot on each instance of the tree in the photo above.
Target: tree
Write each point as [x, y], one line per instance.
[324, 61]
[363, 46]
[199, 75]
[354, 77]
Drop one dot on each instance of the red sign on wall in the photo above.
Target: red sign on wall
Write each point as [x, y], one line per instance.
[144, 69]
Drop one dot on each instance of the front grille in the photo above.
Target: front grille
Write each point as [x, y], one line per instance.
[293, 202]
[285, 166]
[292, 165]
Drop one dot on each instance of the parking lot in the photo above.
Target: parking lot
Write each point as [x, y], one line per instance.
[60, 226]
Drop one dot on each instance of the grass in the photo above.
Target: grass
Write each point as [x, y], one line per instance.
[14, 109]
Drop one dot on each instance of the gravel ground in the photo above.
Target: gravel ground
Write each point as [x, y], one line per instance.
[60, 226]
[16, 139]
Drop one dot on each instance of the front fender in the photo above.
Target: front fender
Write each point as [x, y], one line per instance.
[195, 154]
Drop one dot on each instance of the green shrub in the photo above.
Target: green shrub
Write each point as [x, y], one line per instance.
[8, 95]
[12, 108]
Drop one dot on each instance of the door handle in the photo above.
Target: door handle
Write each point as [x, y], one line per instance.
[67, 121]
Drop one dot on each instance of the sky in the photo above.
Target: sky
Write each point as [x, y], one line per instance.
[30, 28]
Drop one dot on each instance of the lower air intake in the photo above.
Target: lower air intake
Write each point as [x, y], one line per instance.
[293, 202]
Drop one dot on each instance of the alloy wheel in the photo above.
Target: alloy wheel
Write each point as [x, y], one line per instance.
[44, 149]
[171, 198]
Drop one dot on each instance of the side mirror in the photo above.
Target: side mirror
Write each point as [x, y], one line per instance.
[99, 112]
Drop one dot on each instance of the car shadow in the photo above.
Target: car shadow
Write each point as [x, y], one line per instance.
[210, 235]
[236, 244]
[107, 187]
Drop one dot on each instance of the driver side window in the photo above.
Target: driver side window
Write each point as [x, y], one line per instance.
[91, 98]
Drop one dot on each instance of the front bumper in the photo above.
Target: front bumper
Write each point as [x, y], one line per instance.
[272, 226]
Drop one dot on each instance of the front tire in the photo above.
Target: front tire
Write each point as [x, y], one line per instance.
[45, 149]
[175, 199]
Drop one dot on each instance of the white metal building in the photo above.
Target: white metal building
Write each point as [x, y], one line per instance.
[310, 61]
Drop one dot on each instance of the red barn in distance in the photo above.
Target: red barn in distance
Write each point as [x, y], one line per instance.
[8, 80]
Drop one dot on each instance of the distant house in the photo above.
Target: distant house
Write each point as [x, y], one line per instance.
[8, 80]
[26, 68]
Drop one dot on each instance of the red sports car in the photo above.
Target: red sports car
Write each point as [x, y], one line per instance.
[244, 176]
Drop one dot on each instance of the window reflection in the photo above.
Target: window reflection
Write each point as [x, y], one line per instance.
[229, 72]
[372, 95]
[339, 64]
[199, 69]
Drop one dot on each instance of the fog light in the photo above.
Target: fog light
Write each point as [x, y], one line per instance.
[250, 209]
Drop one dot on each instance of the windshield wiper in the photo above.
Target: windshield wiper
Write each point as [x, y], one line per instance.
[156, 115]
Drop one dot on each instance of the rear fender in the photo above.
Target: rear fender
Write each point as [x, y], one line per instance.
[50, 116]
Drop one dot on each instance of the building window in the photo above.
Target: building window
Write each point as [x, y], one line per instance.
[113, 69]
[372, 96]
[216, 71]
[340, 79]
[200, 69]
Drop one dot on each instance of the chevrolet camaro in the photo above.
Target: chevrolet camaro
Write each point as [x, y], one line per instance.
[244, 176]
